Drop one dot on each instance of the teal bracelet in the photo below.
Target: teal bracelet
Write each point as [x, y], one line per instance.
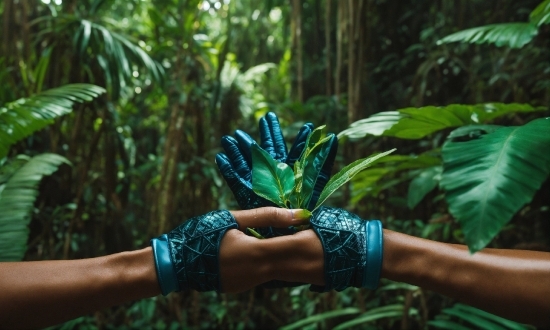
[375, 253]
[166, 273]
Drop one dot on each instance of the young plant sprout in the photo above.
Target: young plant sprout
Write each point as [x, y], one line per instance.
[293, 188]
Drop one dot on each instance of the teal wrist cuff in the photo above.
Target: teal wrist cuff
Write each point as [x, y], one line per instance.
[166, 274]
[375, 253]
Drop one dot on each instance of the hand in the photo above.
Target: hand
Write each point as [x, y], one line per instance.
[353, 249]
[193, 255]
[236, 164]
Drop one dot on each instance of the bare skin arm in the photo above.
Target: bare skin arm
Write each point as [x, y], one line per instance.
[42, 293]
[514, 284]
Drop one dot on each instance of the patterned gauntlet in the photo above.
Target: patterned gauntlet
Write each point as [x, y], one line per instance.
[188, 256]
[353, 249]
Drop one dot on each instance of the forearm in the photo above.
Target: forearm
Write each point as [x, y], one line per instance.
[511, 283]
[40, 293]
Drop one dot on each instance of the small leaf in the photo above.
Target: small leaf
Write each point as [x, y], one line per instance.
[346, 174]
[271, 180]
[312, 165]
[255, 233]
[420, 186]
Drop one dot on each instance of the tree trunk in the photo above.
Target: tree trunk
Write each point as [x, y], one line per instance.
[328, 76]
[296, 27]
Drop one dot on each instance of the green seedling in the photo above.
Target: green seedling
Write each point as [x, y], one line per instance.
[293, 188]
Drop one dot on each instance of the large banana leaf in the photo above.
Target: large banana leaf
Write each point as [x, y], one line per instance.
[23, 117]
[416, 123]
[490, 172]
[18, 191]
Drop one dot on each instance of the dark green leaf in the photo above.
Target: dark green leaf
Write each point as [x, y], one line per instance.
[445, 324]
[425, 182]
[271, 180]
[346, 174]
[372, 315]
[321, 317]
[489, 178]
[497, 319]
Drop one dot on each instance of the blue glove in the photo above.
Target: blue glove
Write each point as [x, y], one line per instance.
[236, 164]
[187, 257]
[353, 249]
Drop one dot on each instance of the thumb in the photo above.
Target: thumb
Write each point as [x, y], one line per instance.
[271, 217]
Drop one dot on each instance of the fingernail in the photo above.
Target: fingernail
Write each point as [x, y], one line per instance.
[300, 215]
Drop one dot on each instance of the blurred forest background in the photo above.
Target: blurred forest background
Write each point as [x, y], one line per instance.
[134, 157]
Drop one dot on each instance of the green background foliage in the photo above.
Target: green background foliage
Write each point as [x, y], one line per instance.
[136, 95]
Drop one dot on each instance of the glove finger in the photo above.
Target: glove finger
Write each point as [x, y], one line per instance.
[299, 144]
[324, 174]
[245, 143]
[227, 171]
[237, 159]
[272, 139]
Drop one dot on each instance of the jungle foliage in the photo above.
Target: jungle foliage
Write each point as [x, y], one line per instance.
[111, 113]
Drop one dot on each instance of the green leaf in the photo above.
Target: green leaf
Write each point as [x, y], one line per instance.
[346, 174]
[497, 319]
[271, 180]
[255, 233]
[17, 200]
[514, 35]
[372, 315]
[489, 178]
[473, 319]
[311, 166]
[420, 186]
[23, 117]
[445, 324]
[416, 123]
[541, 14]
[321, 317]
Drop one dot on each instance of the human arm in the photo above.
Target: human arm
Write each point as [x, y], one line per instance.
[41, 293]
[514, 284]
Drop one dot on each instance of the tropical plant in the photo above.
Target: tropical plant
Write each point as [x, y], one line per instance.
[19, 178]
[513, 35]
[463, 317]
[294, 188]
[488, 172]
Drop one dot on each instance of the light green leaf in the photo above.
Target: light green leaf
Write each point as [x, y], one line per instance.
[514, 35]
[346, 174]
[416, 123]
[321, 317]
[420, 186]
[17, 200]
[489, 178]
[271, 180]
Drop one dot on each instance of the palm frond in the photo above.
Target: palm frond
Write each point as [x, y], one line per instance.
[514, 35]
[18, 191]
[25, 116]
